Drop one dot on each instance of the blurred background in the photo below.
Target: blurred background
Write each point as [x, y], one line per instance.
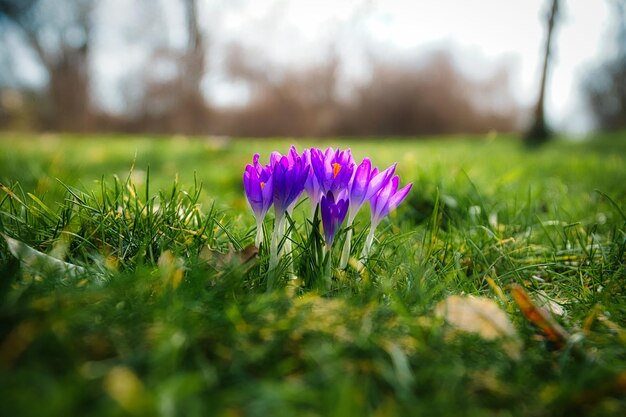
[312, 68]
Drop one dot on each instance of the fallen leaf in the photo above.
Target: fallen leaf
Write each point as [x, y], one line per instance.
[550, 304]
[172, 269]
[220, 259]
[40, 262]
[482, 316]
[539, 317]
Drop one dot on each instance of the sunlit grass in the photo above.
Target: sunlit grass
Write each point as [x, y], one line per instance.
[173, 318]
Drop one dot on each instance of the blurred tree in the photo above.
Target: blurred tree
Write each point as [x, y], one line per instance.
[58, 32]
[539, 132]
[605, 88]
[435, 98]
[288, 102]
[166, 90]
[398, 99]
[195, 111]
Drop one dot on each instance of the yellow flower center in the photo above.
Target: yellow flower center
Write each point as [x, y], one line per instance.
[336, 169]
[262, 185]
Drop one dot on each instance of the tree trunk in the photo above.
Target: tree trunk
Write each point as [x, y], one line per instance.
[66, 103]
[539, 132]
[193, 117]
[68, 93]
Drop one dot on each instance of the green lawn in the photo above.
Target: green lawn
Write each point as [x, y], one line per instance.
[171, 318]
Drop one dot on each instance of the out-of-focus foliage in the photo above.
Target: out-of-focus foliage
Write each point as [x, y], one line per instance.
[58, 34]
[605, 88]
[426, 94]
[432, 99]
[606, 94]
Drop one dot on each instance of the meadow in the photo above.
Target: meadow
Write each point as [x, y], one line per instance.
[167, 312]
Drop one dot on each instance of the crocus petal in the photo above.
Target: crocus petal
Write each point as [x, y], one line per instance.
[379, 180]
[289, 178]
[326, 209]
[251, 184]
[255, 163]
[252, 188]
[279, 179]
[246, 180]
[387, 199]
[399, 196]
[343, 194]
[311, 185]
[360, 182]
[275, 157]
[333, 169]
[265, 172]
[333, 214]
[292, 155]
[344, 157]
[342, 210]
[381, 200]
[267, 192]
[343, 177]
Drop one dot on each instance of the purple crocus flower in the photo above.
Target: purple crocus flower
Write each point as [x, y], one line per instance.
[387, 199]
[333, 169]
[333, 214]
[258, 185]
[258, 188]
[292, 155]
[311, 185]
[289, 175]
[365, 184]
[257, 165]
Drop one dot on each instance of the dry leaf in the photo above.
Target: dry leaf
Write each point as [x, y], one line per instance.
[220, 259]
[551, 305]
[172, 269]
[539, 317]
[481, 316]
[40, 262]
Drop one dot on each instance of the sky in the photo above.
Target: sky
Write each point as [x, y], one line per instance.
[482, 36]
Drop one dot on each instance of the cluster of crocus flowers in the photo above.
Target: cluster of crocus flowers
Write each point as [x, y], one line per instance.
[332, 181]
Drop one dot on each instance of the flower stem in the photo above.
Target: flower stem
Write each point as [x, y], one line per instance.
[368, 242]
[287, 251]
[281, 233]
[259, 233]
[288, 246]
[327, 266]
[276, 237]
[347, 246]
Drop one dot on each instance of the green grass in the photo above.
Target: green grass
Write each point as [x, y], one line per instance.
[172, 319]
